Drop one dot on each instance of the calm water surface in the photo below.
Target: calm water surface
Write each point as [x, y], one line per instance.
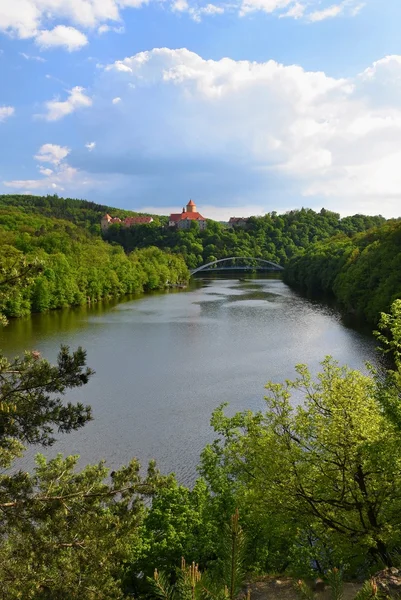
[164, 362]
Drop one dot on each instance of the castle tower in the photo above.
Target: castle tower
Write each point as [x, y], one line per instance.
[105, 222]
[191, 207]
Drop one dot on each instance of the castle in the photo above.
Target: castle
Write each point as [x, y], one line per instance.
[184, 219]
[107, 220]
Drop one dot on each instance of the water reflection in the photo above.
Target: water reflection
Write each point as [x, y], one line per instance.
[163, 362]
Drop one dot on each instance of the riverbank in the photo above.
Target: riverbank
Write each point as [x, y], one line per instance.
[361, 272]
[164, 361]
[83, 275]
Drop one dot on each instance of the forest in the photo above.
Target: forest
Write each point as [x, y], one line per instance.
[83, 213]
[361, 272]
[272, 237]
[311, 490]
[353, 259]
[70, 266]
[308, 491]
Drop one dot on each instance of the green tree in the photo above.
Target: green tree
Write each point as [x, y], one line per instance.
[64, 533]
[328, 468]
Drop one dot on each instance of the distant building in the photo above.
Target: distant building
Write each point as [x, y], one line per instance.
[184, 219]
[237, 221]
[107, 220]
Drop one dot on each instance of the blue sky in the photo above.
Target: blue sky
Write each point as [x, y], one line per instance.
[246, 106]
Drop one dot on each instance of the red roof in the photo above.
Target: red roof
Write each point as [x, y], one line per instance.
[137, 220]
[191, 203]
[235, 220]
[193, 216]
[175, 216]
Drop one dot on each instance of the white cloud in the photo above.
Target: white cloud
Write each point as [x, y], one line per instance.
[52, 153]
[60, 177]
[65, 23]
[296, 11]
[44, 171]
[212, 9]
[312, 10]
[61, 36]
[29, 57]
[269, 6]
[196, 11]
[103, 29]
[6, 112]
[90, 146]
[116, 100]
[180, 5]
[327, 13]
[106, 28]
[57, 109]
[317, 136]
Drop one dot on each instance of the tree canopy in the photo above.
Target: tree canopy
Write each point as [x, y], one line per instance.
[316, 475]
[54, 264]
[361, 272]
[272, 237]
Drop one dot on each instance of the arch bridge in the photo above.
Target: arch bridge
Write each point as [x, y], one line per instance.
[262, 265]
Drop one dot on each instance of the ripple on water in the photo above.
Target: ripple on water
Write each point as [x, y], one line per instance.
[164, 362]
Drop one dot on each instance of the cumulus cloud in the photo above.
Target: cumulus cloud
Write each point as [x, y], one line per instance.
[61, 36]
[106, 28]
[45, 171]
[278, 129]
[58, 178]
[73, 19]
[313, 10]
[296, 11]
[6, 112]
[327, 13]
[90, 146]
[26, 19]
[52, 153]
[196, 11]
[58, 109]
[116, 100]
[180, 5]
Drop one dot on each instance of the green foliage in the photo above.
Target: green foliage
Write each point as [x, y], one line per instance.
[327, 471]
[369, 590]
[64, 533]
[68, 534]
[80, 212]
[178, 523]
[222, 584]
[316, 476]
[362, 272]
[30, 399]
[17, 273]
[389, 382]
[67, 266]
[272, 237]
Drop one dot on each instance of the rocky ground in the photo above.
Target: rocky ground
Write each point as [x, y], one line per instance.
[283, 588]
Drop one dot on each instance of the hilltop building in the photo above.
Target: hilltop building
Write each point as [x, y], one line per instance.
[107, 220]
[184, 219]
[238, 222]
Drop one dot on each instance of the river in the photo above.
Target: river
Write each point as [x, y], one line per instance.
[163, 362]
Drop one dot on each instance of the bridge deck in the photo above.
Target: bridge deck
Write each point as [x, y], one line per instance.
[213, 270]
[263, 265]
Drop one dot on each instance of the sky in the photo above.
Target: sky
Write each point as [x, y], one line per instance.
[245, 106]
